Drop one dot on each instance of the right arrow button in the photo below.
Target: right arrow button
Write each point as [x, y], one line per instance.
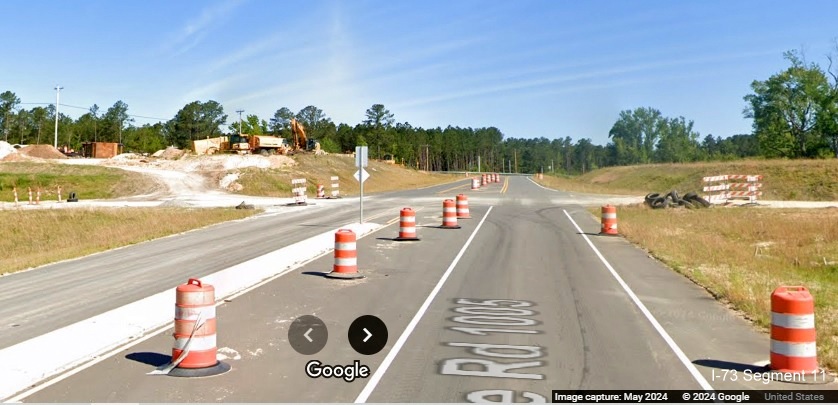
[367, 335]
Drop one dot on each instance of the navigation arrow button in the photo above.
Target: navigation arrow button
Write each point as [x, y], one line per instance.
[308, 335]
[367, 335]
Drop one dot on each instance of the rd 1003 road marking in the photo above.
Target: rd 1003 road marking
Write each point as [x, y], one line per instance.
[486, 317]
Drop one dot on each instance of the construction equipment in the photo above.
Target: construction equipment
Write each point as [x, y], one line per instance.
[300, 140]
[242, 144]
[267, 144]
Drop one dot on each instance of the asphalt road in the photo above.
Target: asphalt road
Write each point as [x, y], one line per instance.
[49, 297]
[513, 305]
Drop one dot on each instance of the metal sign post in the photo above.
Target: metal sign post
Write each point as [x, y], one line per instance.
[361, 175]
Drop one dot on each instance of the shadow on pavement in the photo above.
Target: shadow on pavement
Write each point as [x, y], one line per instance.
[596, 234]
[315, 273]
[729, 365]
[152, 359]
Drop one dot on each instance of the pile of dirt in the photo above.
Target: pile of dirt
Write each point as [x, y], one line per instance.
[127, 156]
[280, 161]
[6, 149]
[171, 153]
[19, 157]
[42, 151]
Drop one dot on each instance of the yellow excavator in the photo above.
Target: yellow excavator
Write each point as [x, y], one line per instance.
[300, 140]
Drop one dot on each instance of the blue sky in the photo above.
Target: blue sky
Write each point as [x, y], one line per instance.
[529, 67]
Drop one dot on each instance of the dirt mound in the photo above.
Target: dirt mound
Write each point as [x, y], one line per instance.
[42, 151]
[18, 157]
[171, 153]
[280, 161]
[127, 156]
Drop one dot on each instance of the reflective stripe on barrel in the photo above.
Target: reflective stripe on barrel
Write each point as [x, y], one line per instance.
[407, 223]
[195, 306]
[609, 220]
[462, 206]
[449, 213]
[346, 255]
[793, 336]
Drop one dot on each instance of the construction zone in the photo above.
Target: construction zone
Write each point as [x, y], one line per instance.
[249, 233]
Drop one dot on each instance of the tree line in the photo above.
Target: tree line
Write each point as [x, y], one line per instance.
[794, 112]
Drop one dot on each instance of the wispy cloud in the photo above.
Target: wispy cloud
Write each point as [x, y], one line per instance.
[195, 30]
[554, 80]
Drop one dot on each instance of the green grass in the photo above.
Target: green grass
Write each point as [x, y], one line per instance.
[802, 180]
[319, 169]
[741, 255]
[37, 237]
[88, 182]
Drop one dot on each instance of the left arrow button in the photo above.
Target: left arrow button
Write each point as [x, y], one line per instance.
[308, 335]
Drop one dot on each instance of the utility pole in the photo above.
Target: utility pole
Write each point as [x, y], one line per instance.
[478, 164]
[240, 121]
[57, 92]
[515, 154]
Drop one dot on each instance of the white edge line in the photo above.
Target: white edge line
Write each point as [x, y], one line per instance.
[672, 345]
[154, 331]
[394, 351]
[533, 182]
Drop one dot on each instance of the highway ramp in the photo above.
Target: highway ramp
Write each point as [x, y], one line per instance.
[525, 298]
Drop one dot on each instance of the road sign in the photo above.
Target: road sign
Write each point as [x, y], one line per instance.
[361, 156]
[361, 175]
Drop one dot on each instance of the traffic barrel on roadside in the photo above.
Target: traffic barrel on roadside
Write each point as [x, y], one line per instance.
[30, 196]
[462, 207]
[793, 336]
[484, 180]
[475, 183]
[346, 256]
[609, 220]
[407, 225]
[38, 197]
[449, 215]
[194, 353]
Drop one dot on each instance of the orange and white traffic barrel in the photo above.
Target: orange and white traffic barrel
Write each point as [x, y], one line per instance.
[449, 215]
[484, 180]
[346, 256]
[407, 225]
[38, 197]
[475, 183]
[495, 177]
[793, 336]
[609, 220]
[194, 353]
[30, 196]
[462, 207]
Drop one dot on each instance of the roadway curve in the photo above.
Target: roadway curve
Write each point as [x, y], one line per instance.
[582, 311]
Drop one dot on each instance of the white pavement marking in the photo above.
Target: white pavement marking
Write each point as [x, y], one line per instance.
[672, 345]
[533, 182]
[376, 377]
[32, 361]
